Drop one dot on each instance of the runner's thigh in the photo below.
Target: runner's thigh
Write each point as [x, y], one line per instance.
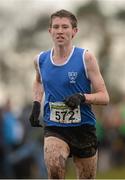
[56, 151]
[86, 167]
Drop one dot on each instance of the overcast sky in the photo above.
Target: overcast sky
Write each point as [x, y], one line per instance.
[44, 5]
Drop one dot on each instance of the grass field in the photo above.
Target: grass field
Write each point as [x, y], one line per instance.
[115, 173]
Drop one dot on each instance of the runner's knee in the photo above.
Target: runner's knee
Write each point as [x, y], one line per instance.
[56, 167]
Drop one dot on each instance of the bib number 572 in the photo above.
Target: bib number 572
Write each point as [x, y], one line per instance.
[62, 115]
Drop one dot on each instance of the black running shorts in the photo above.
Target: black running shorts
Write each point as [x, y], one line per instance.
[82, 140]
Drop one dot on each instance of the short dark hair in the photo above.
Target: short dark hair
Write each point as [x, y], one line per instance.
[64, 13]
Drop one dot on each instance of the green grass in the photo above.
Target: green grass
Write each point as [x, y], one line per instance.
[115, 173]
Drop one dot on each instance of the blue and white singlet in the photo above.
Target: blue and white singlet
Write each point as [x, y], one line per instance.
[61, 81]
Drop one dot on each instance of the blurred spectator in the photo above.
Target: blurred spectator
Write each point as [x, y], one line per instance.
[13, 133]
[13, 129]
[113, 148]
[22, 146]
[2, 147]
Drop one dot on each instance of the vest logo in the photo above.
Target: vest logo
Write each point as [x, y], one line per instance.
[72, 77]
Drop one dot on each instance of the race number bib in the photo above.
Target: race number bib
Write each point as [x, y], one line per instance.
[59, 112]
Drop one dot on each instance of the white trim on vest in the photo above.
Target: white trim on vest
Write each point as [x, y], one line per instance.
[65, 61]
[37, 61]
[83, 57]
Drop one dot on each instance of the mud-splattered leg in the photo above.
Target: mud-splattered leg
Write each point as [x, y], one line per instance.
[86, 167]
[56, 152]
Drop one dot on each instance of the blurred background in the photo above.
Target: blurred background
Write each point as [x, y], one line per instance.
[23, 34]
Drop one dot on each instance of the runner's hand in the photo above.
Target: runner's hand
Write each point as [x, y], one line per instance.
[34, 121]
[74, 100]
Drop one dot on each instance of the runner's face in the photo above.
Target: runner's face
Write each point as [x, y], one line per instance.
[62, 31]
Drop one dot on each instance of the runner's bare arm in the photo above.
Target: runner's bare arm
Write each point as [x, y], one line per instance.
[100, 94]
[37, 85]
